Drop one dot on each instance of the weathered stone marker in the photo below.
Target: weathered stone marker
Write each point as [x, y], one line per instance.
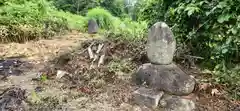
[161, 44]
[92, 26]
[162, 74]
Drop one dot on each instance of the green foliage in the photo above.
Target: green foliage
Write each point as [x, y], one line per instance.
[149, 10]
[27, 13]
[23, 20]
[102, 16]
[127, 29]
[74, 22]
[229, 77]
[211, 30]
[76, 6]
[116, 7]
[115, 27]
[118, 65]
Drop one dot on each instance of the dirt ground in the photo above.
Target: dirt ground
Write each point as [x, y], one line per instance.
[88, 87]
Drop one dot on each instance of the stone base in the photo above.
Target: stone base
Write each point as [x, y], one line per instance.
[176, 103]
[168, 78]
[147, 97]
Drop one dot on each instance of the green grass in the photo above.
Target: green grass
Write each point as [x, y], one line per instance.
[26, 20]
[102, 16]
[74, 22]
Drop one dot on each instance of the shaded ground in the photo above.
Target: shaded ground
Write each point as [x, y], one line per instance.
[88, 87]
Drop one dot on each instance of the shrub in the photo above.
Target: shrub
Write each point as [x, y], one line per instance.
[129, 30]
[27, 20]
[73, 22]
[102, 16]
[80, 7]
[19, 33]
[118, 28]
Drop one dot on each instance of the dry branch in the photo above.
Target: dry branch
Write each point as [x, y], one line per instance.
[90, 52]
[100, 46]
[101, 60]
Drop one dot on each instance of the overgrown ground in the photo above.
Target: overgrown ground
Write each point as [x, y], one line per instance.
[104, 88]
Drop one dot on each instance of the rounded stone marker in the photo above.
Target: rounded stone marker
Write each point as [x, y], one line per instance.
[92, 26]
[161, 44]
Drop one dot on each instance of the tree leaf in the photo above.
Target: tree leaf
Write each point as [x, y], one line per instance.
[234, 31]
[224, 51]
[190, 12]
[223, 18]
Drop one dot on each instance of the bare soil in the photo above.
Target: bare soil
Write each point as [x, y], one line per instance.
[88, 87]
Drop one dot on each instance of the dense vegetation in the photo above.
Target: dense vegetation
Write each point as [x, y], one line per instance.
[204, 28]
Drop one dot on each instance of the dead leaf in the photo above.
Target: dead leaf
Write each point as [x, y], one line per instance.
[85, 90]
[204, 86]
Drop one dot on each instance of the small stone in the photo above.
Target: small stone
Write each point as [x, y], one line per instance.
[92, 27]
[169, 78]
[38, 89]
[161, 44]
[60, 74]
[147, 97]
[176, 103]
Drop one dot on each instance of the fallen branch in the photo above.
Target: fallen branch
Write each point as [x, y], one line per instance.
[83, 51]
[95, 58]
[102, 57]
[195, 57]
[101, 60]
[90, 52]
[100, 46]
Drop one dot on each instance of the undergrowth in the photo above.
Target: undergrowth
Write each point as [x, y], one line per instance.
[27, 20]
[118, 28]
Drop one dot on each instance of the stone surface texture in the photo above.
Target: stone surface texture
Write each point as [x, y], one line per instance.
[147, 97]
[169, 78]
[92, 27]
[176, 103]
[161, 44]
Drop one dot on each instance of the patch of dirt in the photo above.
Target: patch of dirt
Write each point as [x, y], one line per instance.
[88, 86]
[42, 50]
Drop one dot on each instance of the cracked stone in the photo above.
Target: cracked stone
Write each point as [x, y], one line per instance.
[176, 103]
[147, 97]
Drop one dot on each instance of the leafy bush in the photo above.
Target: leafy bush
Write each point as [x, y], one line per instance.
[116, 7]
[76, 6]
[74, 22]
[210, 29]
[81, 7]
[229, 77]
[19, 33]
[150, 11]
[102, 16]
[129, 30]
[26, 20]
[116, 27]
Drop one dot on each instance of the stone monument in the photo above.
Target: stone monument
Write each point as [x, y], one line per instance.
[92, 26]
[166, 82]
